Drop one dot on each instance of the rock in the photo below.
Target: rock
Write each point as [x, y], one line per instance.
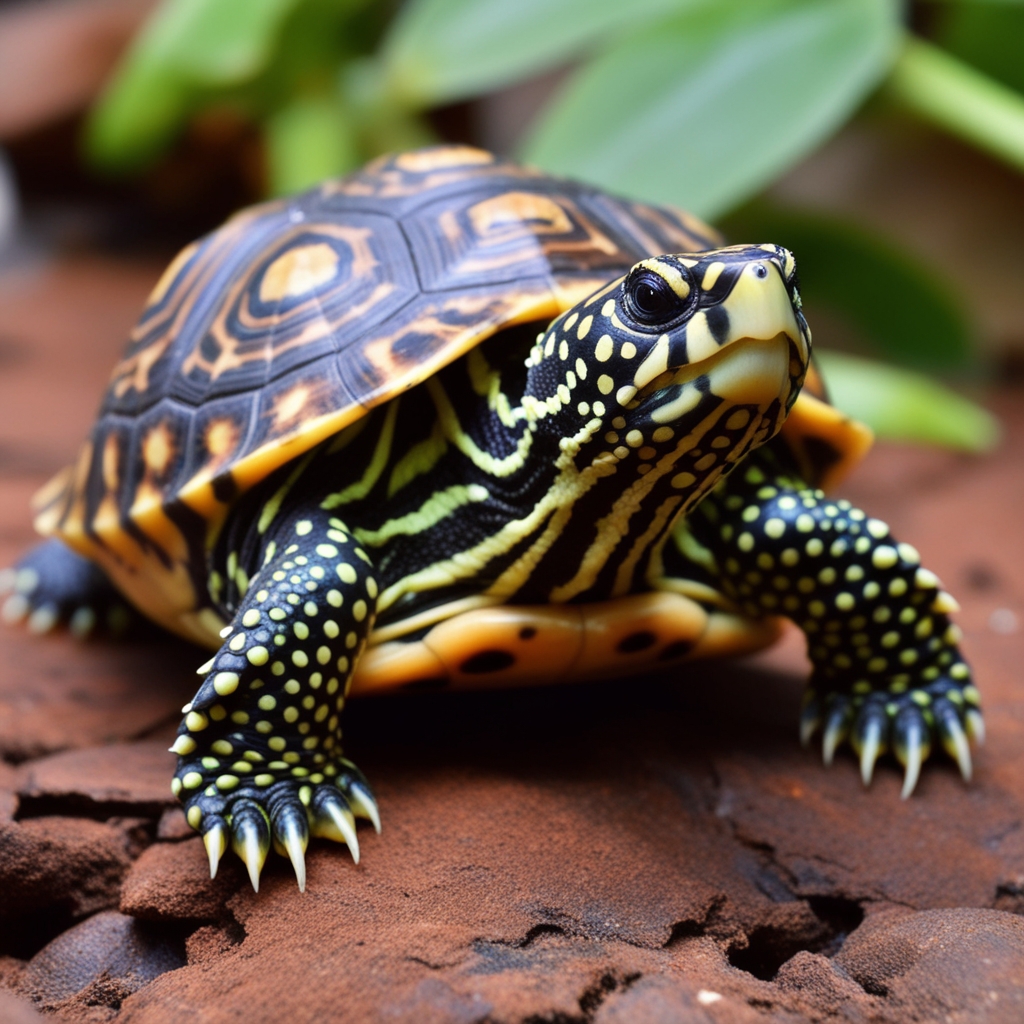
[1010, 894]
[11, 971]
[819, 983]
[211, 942]
[56, 692]
[109, 948]
[665, 1000]
[172, 825]
[171, 881]
[17, 1011]
[126, 778]
[8, 794]
[961, 965]
[68, 863]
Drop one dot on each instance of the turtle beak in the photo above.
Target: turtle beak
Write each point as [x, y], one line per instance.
[750, 347]
[762, 303]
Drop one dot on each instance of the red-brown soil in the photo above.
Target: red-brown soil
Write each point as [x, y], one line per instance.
[655, 849]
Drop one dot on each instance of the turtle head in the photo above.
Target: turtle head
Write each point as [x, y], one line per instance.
[688, 358]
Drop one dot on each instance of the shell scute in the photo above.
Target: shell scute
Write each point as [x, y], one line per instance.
[651, 228]
[219, 432]
[306, 294]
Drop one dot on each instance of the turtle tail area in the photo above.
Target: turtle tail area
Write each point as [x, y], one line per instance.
[53, 586]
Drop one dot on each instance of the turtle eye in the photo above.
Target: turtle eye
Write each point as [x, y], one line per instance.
[650, 300]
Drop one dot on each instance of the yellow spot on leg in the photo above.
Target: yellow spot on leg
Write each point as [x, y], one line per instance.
[257, 656]
[225, 682]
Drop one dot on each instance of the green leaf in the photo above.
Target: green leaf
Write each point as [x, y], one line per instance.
[186, 48]
[905, 406]
[903, 309]
[960, 99]
[310, 139]
[988, 35]
[442, 50]
[136, 118]
[707, 108]
[214, 42]
[384, 126]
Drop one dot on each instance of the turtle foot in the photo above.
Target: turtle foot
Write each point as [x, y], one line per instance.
[910, 723]
[53, 586]
[275, 808]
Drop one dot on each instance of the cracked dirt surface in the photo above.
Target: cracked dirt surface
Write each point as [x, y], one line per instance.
[654, 849]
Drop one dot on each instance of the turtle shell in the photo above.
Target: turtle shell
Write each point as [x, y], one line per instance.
[298, 316]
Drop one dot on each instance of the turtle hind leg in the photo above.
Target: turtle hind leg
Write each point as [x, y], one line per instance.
[53, 585]
[260, 758]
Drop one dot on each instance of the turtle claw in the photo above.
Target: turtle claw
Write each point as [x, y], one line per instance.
[333, 819]
[870, 748]
[908, 722]
[15, 608]
[291, 832]
[912, 771]
[250, 837]
[911, 746]
[282, 815]
[953, 737]
[294, 843]
[43, 618]
[358, 795]
[975, 725]
[52, 587]
[82, 622]
[215, 839]
[363, 805]
[837, 728]
[869, 737]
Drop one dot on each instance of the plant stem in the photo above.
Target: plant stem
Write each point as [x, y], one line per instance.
[960, 99]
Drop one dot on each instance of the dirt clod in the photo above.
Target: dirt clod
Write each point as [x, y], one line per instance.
[171, 882]
[98, 782]
[110, 952]
[59, 864]
[940, 964]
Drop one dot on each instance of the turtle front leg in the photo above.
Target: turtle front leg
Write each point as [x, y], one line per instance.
[260, 755]
[888, 673]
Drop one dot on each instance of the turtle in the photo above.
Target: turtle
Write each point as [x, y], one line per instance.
[452, 422]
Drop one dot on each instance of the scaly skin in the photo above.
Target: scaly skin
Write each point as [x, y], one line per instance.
[260, 745]
[888, 674]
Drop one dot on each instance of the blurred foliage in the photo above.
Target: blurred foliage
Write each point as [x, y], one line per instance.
[715, 102]
[895, 303]
[906, 406]
[988, 36]
[699, 103]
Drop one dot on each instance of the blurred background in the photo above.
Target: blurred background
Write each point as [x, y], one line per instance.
[882, 142]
